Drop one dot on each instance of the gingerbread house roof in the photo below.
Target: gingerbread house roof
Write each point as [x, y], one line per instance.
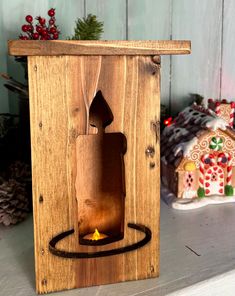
[178, 139]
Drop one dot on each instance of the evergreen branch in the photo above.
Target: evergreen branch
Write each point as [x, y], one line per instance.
[88, 28]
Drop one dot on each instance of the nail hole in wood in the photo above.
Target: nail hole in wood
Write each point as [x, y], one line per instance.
[42, 251]
[44, 282]
[41, 199]
[152, 165]
[151, 268]
[35, 68]
[153, 73]
[40, 124]
[150, 151]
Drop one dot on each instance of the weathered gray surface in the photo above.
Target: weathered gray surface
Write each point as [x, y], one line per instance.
[208, 231]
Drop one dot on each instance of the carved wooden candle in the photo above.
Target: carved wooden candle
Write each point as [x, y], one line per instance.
[94, 113]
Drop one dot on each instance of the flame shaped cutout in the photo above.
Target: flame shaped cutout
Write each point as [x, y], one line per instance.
[100, 114]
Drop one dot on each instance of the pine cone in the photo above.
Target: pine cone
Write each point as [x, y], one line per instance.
[14, 204]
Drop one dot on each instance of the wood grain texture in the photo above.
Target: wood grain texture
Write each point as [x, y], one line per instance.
[113, 14]
[142, 25]
[61, 91]
[199, 72]
[82, 47]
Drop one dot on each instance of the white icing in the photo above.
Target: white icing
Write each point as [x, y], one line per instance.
[188, 193]
[193, 203]
[168, 130]
[178, 132]
[216, 123]
[211, 120]
[196, 203]
[185, 147]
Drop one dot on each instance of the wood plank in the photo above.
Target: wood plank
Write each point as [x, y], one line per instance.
[228, 71]
[65, 87]
[143, 26]
[199, 72]
[113, 14]
[83, 47]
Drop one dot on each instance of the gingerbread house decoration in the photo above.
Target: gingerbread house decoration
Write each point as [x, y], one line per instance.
[223, 109]
[198, 153]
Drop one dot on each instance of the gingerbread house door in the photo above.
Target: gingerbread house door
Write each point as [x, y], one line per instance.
[214, 181]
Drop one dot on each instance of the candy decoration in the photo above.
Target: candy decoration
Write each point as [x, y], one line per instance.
[189, 166]
[222, 159]
[216, 143]
[221, 162]
[202, 167]
[201, 173]
[232, 105]
[207, 191]
[217, 108]
[229, 169]
[210, 101]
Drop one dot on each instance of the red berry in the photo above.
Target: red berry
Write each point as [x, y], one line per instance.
[35, 36]
[43, 38]
[39, 29]
[55, 36]
[51, 21]
[44, 32]
[29, 18]
[53, 30]
[232, 104]
[24, 28]
[24, 37]
[51, 12]
[41, 20]
[30, 28]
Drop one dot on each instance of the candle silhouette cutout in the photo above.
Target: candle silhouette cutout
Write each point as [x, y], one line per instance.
[100, 181]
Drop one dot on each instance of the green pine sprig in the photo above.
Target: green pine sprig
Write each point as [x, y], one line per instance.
[88, 28]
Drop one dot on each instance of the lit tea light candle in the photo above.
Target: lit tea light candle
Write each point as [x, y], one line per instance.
[95, 236]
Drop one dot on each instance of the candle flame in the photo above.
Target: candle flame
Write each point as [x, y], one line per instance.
[96, 235]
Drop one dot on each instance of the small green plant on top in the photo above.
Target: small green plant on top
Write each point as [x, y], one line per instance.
[88, 28]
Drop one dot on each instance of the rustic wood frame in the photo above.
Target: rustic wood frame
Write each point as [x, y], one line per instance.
[63, 78]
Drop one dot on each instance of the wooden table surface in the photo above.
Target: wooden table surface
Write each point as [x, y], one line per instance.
[197, 257]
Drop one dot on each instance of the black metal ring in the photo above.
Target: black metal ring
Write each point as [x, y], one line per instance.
[81, 255]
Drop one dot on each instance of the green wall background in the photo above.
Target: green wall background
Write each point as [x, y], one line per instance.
[209, 24]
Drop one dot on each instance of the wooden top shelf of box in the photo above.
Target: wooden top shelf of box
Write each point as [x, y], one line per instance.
[87, 47]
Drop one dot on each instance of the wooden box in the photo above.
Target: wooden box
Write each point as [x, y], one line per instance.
[94, 116]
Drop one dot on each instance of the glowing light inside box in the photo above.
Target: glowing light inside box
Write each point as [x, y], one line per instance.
[95, 236]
